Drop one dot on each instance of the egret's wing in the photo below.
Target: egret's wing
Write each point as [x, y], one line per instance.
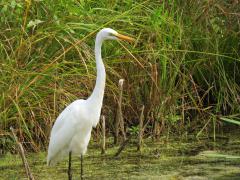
[61, 119]
[61, 136]
[63, 131]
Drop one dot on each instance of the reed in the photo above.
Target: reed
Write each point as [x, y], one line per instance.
[184, 66]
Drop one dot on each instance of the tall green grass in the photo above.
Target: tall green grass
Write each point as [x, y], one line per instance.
[184, 65]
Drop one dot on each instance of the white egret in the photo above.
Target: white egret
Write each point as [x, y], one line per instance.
[72, 129]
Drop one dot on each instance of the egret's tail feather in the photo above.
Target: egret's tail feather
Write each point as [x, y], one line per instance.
[51, 162]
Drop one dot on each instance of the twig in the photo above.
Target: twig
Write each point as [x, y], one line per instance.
[24, 160]
[121, 148]
[140, 134]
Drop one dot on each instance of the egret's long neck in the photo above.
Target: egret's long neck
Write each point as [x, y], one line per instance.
[98, 92]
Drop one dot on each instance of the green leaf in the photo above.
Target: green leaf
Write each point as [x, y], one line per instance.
[230, 120]
[4, 9]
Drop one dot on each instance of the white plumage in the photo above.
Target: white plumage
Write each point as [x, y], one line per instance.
[72, 130]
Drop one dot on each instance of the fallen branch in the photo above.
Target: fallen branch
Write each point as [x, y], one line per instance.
[122, 147]
[21, 152]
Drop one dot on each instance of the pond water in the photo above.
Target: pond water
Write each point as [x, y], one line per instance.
[173, 159]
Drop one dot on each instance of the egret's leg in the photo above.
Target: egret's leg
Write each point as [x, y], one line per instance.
[69, 166]
[81, 166]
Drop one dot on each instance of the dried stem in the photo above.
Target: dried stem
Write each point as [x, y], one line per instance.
[140, 134]
[22, 154]
[119, 117]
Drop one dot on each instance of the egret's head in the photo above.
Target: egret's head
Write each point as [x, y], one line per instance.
[108, 33]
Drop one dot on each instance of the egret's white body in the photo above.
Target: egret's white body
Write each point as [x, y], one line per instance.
[72, 130]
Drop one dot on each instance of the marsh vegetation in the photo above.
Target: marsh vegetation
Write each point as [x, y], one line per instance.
[174, 159]
[184, 68]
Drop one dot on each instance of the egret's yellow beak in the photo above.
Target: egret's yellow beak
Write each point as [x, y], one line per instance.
[123, 37]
